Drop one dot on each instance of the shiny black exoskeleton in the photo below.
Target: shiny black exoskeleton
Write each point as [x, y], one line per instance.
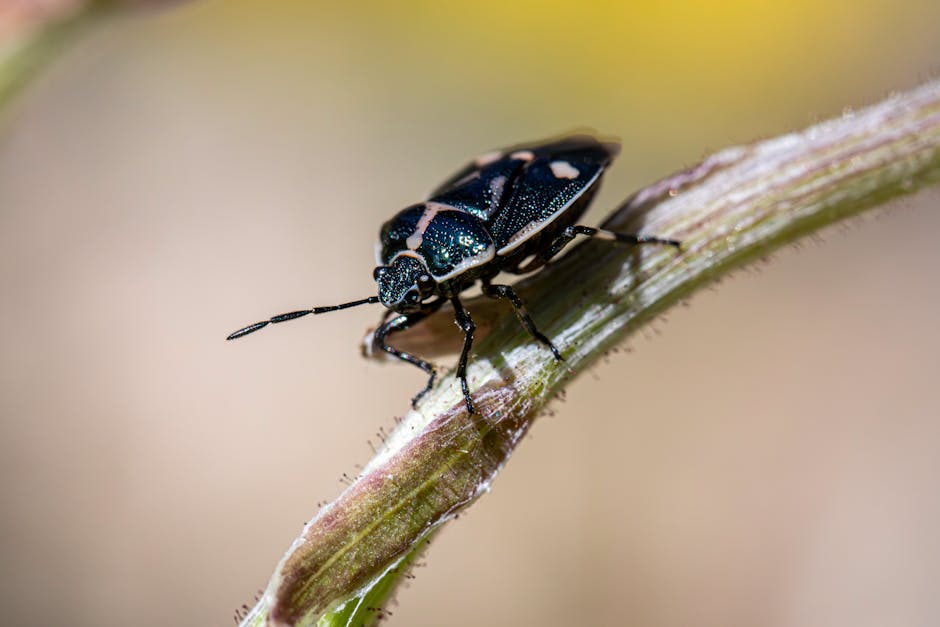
[507, 207]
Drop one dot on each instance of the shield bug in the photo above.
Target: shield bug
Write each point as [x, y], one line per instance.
[510, 210]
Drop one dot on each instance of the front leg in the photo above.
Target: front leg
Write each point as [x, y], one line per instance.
[465, 322]
[400, 323]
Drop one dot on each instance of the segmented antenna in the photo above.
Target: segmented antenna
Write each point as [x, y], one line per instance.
[251, 328]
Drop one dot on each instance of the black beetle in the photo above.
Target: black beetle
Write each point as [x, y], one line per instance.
[510, 206]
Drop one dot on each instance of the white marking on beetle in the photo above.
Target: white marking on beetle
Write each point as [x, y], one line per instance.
[488, 158]
[460, 183]
[523, 155]
[520, 236]
[431, 209]
[470, 262]
[496, 187]
[409, 253]
[564, 170]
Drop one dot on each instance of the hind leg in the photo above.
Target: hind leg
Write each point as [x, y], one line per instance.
[572, 232]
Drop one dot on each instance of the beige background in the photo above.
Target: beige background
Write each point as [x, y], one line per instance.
[767, 457]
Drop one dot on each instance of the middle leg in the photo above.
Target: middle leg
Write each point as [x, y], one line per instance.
[506, 291]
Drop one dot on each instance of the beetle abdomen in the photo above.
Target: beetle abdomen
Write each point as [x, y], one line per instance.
[548, 187]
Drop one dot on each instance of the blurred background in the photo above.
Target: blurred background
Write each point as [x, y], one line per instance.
[766, 456]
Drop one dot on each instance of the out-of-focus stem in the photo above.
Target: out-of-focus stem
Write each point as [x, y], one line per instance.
[739, 204]
[24, 54]
[39, 32]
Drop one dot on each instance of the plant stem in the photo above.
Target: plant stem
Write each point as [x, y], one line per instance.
[22, 57]
[737, 205]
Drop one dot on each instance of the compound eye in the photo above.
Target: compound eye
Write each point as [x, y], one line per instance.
[379, 271]
[425, 284]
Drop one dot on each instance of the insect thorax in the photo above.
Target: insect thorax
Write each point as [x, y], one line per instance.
[448, 240]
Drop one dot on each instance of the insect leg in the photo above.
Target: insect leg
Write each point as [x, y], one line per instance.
[625, 238]
[505, 291]
[400, 323]
[465, 322]
[572, 232]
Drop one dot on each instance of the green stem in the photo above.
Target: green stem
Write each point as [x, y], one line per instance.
[737, 205]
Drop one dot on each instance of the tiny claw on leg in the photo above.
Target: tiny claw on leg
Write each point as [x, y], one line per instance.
[466, 396]
[427, 388]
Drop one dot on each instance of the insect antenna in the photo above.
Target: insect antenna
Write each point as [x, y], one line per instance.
[251, 328]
